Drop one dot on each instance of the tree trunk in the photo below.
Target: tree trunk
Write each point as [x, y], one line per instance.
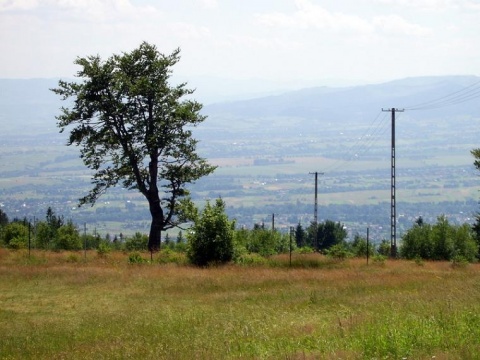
[156, 227]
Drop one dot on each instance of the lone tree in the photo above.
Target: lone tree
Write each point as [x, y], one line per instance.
[134, 128]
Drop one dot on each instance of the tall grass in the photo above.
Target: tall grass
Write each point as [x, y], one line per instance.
[105, 308]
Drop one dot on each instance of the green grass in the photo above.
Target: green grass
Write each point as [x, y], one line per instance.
[105, 308]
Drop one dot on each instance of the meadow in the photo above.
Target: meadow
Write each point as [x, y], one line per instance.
[85, 306]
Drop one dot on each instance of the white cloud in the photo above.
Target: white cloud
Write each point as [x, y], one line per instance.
[438, 5]
[80, 10]
[261, 43]
[209, 4]
[189, 31]
[395, 25]
[310, 15]
[470, 5]
[13, 5]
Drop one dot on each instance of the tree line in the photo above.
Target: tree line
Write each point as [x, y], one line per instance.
[213, 238]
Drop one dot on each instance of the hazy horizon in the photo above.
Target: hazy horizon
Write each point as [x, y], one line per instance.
[294, 43]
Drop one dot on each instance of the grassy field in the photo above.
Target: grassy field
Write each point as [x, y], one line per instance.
[63, 306]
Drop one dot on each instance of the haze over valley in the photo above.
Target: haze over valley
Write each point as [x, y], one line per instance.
[266, 148]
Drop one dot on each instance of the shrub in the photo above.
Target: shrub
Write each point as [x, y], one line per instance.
[167, 256]
[135, 258]
[262, 241]
[384, 248]
[359, 247]
[73, 258]
[15, 235]
[459, 261]
[68, 237]
[304, 250]
[17, 243]
[251, 260]
[442, 241]
[211, 238]
[338, 251]
[379, 259]
[103, 249]
[137, 242]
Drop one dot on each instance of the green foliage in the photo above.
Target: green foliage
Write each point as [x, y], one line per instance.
[134, 128]
[17, 243]
[476, 225]
[180, 238]
[252, 259]
[476, 231]
[93, 241]
[211, 238]
[262, 241]
[379, 259]
[442, 238]
[476, 155]
[46, 231]
[331, 233]
[327, 234]
[68, 237]
[417, 242]
[53, 220]
[441, 241]
[459, 261]
[300, 236]
[359, 247]
[338, 251]
[15, 235]
[44, 235]
[167, 241]
[73, 258]
[136, 258]
[384, 248]
[464, 243]
[3, 218]
[305, 250]
[103, 249]
[138, 242]
[419, 261]
[167, 256]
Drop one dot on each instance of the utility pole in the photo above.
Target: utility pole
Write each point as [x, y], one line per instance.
[315, 209]
[393, 206]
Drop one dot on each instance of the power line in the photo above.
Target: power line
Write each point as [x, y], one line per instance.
[457, 97]
[363, 143]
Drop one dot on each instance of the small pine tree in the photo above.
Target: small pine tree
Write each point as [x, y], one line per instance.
[180, 238]
[300, 236]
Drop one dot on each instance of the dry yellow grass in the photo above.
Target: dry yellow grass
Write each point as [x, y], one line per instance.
[57, 305]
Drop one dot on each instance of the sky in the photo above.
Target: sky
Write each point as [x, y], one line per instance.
[301, 42]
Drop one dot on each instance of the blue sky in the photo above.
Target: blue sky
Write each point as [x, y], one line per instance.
[304, 42]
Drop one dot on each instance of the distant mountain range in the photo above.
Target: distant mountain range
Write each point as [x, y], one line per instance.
[28, 107]
[331, 104]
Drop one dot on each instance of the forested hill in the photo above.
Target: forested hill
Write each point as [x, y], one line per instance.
[327, 104]
[28, 106]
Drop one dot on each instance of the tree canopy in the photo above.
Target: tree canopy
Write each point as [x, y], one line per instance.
[134, 128]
